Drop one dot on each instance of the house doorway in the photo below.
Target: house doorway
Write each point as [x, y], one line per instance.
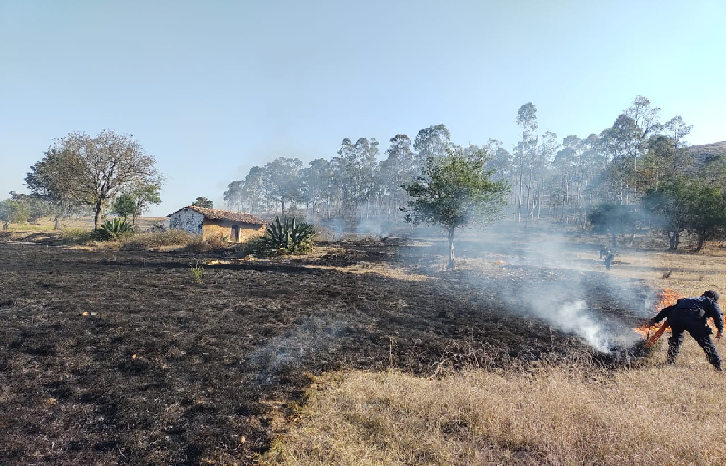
[235, 233]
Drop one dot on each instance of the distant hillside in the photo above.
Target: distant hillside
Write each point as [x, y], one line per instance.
[706, 153]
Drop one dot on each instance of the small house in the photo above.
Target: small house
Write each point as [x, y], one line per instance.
[235, 226]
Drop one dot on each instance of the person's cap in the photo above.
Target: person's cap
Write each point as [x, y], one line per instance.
[711, 294]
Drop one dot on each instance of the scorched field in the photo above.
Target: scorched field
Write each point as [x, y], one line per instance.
[127, 357]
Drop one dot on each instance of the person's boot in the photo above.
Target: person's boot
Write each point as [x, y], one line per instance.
[716, 364]
[672, 353]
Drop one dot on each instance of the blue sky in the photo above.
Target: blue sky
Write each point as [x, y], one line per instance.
[213, 88]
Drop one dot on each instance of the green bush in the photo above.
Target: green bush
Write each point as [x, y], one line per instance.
[288, 237]
[112, 230]
[197, 271]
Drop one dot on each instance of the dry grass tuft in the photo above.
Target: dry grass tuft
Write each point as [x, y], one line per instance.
[76, 235]
[369, 267]
[649, 416]
[652, 414]
[161, 240]
[209, 244]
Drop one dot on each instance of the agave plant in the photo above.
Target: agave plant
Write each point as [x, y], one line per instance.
[113, 229]
[289, 236]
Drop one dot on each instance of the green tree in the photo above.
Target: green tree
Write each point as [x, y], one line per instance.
[355, 167]
[394, 171]
[58, 179]
[5, 213]
[202, 201]
[145, 196]
[249, 192]
[539, 177]
[707, 216]
[93, 170]
[317, 185]
[233, 195]
[667, 208]
[690, 204]
[281, 181]
[525, 154]
[431, 142]
[499, 160]
[678, 129]
[622, 142]
[137, 202]
[614, 219]
[455, 191]
[37, 206]
[124, 206]
[13, 211]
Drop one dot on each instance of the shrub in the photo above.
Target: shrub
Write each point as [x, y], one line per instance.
[112, 230]
[211, 243]
[197, 271]
[288, 237]
[76, 235]
[325, 234]
[161, 238]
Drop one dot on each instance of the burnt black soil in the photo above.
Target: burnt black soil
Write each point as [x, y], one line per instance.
[123, 358]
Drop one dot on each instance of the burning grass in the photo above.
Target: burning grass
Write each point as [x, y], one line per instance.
[665, 298]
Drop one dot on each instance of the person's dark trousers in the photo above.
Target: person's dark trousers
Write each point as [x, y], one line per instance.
[701, 333]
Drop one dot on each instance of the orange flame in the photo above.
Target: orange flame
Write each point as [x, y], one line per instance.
[665, 298]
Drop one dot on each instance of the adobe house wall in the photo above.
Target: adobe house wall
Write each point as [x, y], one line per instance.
[224, 228]
[213, 228]
[248, 231]
[187, 220]
[194, 222]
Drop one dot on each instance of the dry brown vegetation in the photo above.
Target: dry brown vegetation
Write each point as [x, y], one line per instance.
[364, 352]
[571, 413]
[555, 415]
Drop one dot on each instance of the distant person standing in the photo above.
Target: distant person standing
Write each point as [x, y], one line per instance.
[691, 315]
[609, 256]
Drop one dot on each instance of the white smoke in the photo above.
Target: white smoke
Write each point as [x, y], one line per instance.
[544, 274]
[573, 317]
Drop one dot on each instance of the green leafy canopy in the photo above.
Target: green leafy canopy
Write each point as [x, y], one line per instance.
[455, 191]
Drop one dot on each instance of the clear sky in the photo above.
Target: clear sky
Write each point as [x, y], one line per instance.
[213, 88]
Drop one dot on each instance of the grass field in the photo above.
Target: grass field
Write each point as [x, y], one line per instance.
[76, 223]
[562, 414]
[366, 352]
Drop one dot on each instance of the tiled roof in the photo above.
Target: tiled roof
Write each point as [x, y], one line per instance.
[216, 214]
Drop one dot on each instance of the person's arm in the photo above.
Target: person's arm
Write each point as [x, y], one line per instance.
[663, 314]
[717, 320]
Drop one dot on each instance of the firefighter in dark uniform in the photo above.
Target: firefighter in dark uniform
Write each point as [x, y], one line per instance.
[691, 315]
[609, 256]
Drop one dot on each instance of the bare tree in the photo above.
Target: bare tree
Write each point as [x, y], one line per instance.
[527, 120]
[93, 170]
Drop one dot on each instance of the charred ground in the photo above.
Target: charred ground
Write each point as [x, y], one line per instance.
[122, 357]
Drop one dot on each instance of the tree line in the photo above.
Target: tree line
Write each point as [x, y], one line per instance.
[640, 161]
[637, 173]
